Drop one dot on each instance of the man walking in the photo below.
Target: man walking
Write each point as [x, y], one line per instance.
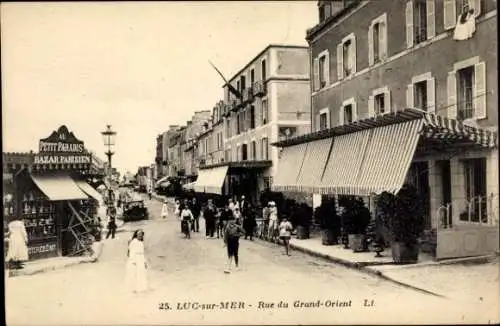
[232, 235]
[111, 223]
[209, 216]
[196, 210]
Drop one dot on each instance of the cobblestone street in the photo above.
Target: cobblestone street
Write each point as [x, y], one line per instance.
[185, 274]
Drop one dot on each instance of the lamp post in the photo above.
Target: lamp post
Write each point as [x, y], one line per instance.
[108, 137]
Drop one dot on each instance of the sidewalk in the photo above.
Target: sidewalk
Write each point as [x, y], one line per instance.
[45, 265]
[429, 276]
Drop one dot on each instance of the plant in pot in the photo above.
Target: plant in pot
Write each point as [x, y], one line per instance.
[326, 215]
[356, 217]
[405, 215]
[303, 219]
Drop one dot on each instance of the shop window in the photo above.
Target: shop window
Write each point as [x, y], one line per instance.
[465, 108]
[421, 95]
[475, 191]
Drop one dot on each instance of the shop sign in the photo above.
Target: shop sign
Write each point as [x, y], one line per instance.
[42, 248]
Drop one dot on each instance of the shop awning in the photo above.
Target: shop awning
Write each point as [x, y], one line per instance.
[159, 182]
[371, 161]
[216, 180]
[315, 159]
[189, 186]
[89, 190]
[289, 167]
[59, 187]
[203, 180]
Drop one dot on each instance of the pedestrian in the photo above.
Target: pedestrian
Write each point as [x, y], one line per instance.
[136, 273]
[249, 222]
[196, 210]
[285, 229]
[150, 193]
[209, 215]
[273, 221]
[237, 215]
[186, 218]
[18, 243]
[231, 204]
[164, 209]
[232, 234]
[224, 216]
[265, 217]
[177, 211]
[111, 223]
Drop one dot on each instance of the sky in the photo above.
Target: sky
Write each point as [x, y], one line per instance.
[137, 66]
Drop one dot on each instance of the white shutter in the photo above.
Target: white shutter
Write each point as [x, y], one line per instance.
[327, 68]
[387, 98]
[341, 116]
[353, 54]
[354, 111]
[316, 127]
[371, 106]
[316, 74]
[409, 96]
[409, 24]
[340, 62]
[370, 46]
[431, 95]
[431, 19]
[450, 14]
[452, 95]
[479, 94]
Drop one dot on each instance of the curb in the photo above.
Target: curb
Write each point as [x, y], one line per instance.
[17, 273]
[360, 267]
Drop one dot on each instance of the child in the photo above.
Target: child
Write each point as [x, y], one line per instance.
[285, 229]
[232, 235]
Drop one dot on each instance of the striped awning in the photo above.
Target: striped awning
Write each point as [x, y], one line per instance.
[216, 181]
[315, 159]
[202, 181]
[371, 161]
[289, 167]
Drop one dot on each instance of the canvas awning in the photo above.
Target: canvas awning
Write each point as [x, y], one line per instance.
[159, 182]
[89, 190]
[289, 167]
[216, 180]
[59, 187]
[315, 159]
[203, 180]
[189, 186]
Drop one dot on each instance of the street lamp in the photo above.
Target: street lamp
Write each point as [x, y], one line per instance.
[108, 137]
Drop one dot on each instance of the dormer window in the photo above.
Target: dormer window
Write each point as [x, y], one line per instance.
[325, 10]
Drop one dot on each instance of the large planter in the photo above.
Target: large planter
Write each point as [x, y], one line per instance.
[403, 254]
[328, 237]
[357, 242]
[302, 232]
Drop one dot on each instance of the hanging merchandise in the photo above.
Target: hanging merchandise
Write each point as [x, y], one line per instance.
[466, 25]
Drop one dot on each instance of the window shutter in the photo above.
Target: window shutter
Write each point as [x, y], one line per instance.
[452, 95]
[371, 106]
[327, 68]
[340, 62]
[316, 74]
[431, 20]
[409, 96]
[354, 111]
[370, 46]
[480, 91]
[383, 40]
[387, 98]
[316, 126]
[409, 24]
[341, 116]
[431, 95]
[353, 54]
[450, 14]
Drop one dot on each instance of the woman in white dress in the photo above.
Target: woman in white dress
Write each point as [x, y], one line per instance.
[136, 263]
[164, 209]
[18, 243]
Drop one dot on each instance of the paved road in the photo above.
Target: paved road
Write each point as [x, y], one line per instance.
[189, 274]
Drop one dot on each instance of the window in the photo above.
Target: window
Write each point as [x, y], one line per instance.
[377, 40]
[228, 128]
[252, 77]
[242, 83]
[238, 86]
[346, 57]
[252, 117]
[475, 191]
[420, 21]
[379, 102]
[263, 70]
[465, 96]
[323, 119]
[227, 155]
[265, 149]
[421, 95]
[450, 10]
[238, 123]
[321, 70]
[347, 113]
[238, 153]
[244, 152]
[253, 150]
[325, 11]
[265, 112]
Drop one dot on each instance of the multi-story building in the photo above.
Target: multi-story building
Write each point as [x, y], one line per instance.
[372, 59]
[166, 154]
[160, 160]
[266, 100]
[193, 128]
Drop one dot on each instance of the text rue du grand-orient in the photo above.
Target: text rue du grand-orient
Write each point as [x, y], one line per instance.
[262, 305]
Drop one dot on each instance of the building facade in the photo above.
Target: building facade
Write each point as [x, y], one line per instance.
[160, 160]
[365, 71]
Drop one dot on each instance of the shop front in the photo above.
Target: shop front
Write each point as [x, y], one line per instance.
[54, 199]
[453, 166]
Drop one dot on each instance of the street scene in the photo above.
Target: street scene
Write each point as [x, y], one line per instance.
[226, 163]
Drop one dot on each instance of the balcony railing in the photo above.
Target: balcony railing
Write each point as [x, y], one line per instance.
[477, 210]
[259, 88]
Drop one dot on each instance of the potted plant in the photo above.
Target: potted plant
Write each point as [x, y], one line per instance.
[404, 214]
[356, 217]
[326, 215]
[303, 217]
